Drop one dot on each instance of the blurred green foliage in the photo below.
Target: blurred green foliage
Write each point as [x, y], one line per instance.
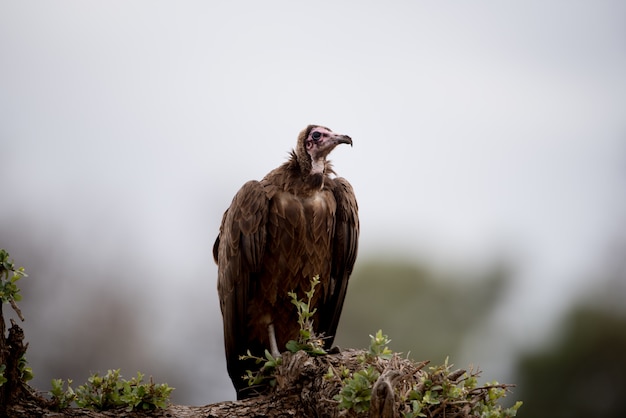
[583, 373]
[411, 301]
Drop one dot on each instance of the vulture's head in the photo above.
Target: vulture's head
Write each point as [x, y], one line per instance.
[314, 144]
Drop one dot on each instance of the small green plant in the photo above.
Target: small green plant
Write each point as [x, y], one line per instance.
[356, 392]
[441, 388]
[9, 275]
[61, 397]
[378, 346]
[26, 372]
[111, 391]
[265, 373]
[307, 340]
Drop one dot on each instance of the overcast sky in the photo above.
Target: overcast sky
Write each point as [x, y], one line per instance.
[481, 130]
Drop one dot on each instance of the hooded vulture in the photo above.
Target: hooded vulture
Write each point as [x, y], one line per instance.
[278, 233]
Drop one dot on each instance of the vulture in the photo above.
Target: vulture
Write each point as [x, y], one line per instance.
[298, 222]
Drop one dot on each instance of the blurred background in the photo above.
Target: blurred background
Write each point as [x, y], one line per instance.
[489, 162]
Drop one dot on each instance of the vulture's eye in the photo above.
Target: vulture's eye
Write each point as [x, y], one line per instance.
[316, 135]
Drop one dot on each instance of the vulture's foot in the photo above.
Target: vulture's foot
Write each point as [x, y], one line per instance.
[334, 350]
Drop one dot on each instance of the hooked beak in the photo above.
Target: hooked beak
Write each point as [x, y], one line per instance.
[341, 139]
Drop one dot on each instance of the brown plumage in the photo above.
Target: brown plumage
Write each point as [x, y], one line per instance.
[278, 233]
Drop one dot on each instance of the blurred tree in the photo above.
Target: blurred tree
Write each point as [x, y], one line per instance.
[582, 371]
[583, 374]
[426, 312]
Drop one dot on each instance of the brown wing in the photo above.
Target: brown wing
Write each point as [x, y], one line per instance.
[238, 251]
[345, 247]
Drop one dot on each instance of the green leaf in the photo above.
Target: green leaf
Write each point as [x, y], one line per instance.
[294, 346]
